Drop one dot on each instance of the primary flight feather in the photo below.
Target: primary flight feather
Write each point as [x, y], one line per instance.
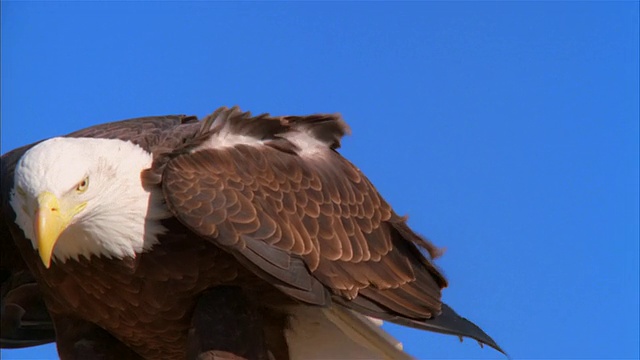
[128, 227]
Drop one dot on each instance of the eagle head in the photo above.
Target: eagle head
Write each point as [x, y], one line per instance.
[84, 196]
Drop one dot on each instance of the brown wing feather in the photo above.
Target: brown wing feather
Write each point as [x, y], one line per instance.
[307, 223]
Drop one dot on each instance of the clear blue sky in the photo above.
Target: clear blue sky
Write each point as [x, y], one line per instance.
[507, 131]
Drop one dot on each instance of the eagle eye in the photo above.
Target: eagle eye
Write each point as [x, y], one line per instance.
[82, 185]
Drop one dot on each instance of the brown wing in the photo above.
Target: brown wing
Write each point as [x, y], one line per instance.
[298, 214]
[307, 220]
[147, 132]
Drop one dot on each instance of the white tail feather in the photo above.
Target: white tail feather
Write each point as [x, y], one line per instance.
[339, 333]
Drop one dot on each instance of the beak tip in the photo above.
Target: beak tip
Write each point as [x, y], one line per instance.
[46, 260]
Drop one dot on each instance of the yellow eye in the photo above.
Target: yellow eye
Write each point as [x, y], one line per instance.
[83, 185]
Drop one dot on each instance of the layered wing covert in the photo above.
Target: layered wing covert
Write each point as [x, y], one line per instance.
[273, 191]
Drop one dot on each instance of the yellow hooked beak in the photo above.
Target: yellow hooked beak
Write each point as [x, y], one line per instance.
[49, 222]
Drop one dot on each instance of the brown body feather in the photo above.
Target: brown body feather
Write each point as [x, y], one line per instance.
[25, 320]
[282, 216]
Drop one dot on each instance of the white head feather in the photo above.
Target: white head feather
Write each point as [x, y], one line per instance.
[121, 218]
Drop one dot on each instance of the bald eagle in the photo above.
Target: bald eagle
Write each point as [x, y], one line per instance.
[168, 237]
